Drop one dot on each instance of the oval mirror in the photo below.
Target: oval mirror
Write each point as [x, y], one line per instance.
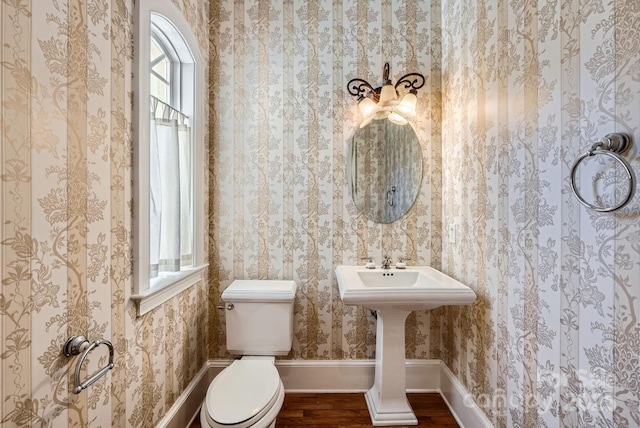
[384, 170]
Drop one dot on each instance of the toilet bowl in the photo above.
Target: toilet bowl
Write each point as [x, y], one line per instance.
[249, 392]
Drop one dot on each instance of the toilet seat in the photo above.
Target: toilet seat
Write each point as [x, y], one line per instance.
[243, 393]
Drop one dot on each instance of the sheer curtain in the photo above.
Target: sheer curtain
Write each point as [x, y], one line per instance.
[170, 217]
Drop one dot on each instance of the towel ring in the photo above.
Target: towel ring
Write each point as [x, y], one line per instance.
[611, 145]
[77, 344]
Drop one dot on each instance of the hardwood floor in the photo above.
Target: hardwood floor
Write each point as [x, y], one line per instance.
[350, 411]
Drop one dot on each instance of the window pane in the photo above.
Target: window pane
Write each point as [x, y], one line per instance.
[160, 82]
[159, 89]
[156, 50]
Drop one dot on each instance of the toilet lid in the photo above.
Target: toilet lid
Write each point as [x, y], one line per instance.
[242, 390]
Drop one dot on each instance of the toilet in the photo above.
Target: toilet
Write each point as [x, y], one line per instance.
[249, 392]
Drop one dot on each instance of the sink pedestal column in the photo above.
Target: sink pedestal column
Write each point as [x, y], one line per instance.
[387, 399]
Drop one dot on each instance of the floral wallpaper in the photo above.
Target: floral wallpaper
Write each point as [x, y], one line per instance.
[515, 91]
[554, 338]
[526, 86]
[65, 246]
[282, 122]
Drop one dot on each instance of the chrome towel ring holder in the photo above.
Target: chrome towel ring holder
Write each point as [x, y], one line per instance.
[80, 344]
[612, 145]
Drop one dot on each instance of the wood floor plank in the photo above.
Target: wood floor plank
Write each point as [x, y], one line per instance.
[318, 410]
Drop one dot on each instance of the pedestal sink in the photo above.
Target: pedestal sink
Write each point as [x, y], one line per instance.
[394, 294]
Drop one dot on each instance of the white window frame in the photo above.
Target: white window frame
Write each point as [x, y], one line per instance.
[148, 298]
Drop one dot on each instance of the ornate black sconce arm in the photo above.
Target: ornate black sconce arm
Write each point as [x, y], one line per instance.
[414, 81]
[361, 88]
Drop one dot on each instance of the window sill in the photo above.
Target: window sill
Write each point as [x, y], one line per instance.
[167, 288]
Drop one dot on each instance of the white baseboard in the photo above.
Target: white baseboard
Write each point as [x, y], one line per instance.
[182, 412]
[460, 401]
[351, 375]
[345, 376]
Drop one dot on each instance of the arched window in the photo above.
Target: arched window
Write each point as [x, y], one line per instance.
[168, 156]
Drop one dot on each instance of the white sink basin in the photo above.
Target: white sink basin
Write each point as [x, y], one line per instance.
[414, 288]
[394, 293]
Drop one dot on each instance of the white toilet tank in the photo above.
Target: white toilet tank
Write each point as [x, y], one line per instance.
[261, 321]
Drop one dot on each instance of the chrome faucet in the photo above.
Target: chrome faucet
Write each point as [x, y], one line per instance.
[386, 261]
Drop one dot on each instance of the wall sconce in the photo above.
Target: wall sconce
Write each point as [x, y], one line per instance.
[382, 102]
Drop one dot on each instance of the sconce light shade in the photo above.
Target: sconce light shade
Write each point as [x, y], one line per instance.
[398, 119]
[407, 106]
[367, 106]
[377, 114]
[388, 96]
[367, 119]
